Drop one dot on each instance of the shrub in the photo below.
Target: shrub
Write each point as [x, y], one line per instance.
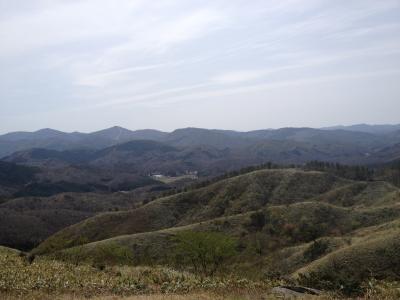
[111, 253]
[257, 220]
[316, 250]
[308, 231]
[336, 281]
[205, 251]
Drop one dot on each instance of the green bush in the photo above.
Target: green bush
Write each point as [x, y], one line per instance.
[113, 253]
[316, 250]
[342, 282]
[257, 220]
[206, 252]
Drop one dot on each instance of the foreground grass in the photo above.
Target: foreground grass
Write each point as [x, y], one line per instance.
[50, 279]
[46, 279]
[192, 296]
[19, 278]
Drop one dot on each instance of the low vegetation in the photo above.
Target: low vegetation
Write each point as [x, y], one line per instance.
[206, 252]
[25, 222]
[45, 278]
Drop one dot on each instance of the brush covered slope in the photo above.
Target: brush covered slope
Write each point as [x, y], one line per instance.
[236, 195]
[47, 279]
[14, 178]
[51, 177]
[286, 222]
[27, 221]
[369, 253]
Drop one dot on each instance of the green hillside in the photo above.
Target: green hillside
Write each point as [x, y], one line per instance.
[372, 253]
[286, 227]
[286, 222]
[227, 197]
[240, 194]
[27, 221]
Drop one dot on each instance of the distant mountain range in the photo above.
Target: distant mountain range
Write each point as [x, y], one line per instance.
[57, 140]
[189, 148]
[370, 136]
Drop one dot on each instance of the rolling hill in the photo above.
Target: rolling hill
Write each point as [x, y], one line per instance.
[27, 221]
[233, 196]
[287, 222]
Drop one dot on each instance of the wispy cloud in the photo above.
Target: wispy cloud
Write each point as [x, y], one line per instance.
[238, 76]
[100, 54]
[115, 76]
[249, 89]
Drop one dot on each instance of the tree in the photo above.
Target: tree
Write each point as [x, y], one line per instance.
[316, 250]
[257, 220]
[205, 251]
[259, 243]
[308, 231]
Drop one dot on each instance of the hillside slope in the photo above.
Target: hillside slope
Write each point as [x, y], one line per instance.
[311, 227]
[237, 195]
[371, 253]
[14, 177]
[285, 226]
[227, 197]
[27, 221]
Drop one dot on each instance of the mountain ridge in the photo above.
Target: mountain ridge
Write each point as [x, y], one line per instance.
[194, 137]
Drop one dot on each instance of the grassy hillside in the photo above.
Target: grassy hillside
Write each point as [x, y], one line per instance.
[27, 221]
[227, 197]
[231, 196]
[265, 253]
[372, 253]
[285, 227]
[285, 222]
[243, 194]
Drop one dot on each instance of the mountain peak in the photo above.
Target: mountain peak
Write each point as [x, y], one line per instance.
[48, 131]
[115, 132]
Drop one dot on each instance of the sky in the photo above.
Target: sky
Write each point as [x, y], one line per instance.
[85, 65]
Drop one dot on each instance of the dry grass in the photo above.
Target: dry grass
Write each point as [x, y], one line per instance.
[48, 279]
[40, 296]
[192, 296]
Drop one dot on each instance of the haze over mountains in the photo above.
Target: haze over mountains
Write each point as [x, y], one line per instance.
[367, 128]
[291, 145]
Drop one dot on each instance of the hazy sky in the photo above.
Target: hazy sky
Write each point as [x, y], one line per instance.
[231, 64]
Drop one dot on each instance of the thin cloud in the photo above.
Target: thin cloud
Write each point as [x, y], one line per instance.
[100, 54]
[267, 86]
[112, 77]
[238, 76]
